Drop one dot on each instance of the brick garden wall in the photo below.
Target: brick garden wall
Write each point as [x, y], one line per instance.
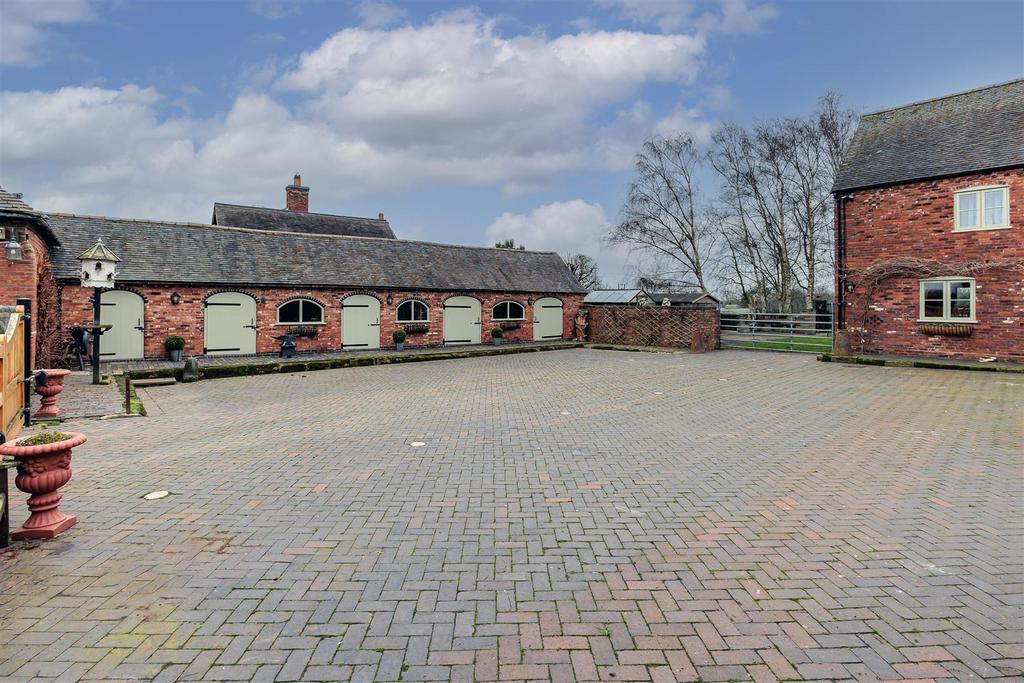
[668, 326]
[916, 220]
[186, 318]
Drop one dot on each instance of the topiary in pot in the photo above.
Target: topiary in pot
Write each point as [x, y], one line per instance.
[496, 334]
[399, 338]
[174, 345]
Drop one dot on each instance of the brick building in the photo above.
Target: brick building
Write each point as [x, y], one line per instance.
[231, 286]
[930, 229]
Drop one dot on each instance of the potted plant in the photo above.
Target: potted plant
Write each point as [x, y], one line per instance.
[174, 345]
[496, 333]
[44, 465]
[399, 337]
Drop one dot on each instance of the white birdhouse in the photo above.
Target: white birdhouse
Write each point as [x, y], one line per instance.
[98, 266]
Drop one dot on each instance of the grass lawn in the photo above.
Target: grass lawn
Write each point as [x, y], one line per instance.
[815, 344]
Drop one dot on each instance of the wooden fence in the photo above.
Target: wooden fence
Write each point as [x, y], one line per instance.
[12, 369]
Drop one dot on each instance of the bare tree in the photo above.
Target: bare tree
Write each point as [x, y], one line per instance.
[584, 269]
[663, 215]
[508, 244]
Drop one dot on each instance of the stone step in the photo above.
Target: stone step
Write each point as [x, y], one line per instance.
[154, 382]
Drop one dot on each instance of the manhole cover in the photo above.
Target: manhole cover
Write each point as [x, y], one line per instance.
[156, 495]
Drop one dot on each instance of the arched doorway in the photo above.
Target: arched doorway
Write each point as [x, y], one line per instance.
[230, 324]
[547, 319]
[461, 320]
[125, 312]
[360, 322]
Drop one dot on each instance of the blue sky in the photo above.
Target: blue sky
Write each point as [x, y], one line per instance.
[462, 123]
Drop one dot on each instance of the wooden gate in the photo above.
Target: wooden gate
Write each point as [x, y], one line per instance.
[12, 369]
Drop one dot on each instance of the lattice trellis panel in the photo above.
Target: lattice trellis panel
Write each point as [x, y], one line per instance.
[654, 326]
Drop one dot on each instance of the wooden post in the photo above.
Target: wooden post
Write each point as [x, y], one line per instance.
[127, 395]
[96, 335]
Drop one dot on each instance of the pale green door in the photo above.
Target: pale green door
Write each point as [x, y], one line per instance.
[547, 319]
[230, 324]
[461, 320]
[125, 311]
[360, 322]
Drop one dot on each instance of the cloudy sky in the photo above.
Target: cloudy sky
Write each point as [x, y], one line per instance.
[462, 123]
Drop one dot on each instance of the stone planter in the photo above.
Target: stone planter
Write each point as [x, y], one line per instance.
[48, 392]
[496, 341]
[174, 355]
[399, 346]
[42, 470]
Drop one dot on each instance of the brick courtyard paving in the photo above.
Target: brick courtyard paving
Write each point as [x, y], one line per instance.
[582, 514]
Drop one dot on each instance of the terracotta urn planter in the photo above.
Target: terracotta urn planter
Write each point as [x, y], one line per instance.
[48, 392]
[43, 469]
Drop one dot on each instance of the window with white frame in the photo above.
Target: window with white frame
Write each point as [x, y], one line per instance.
[413, 311]
[508, 310]
[300, 312]
[947, 300]
[981, 208]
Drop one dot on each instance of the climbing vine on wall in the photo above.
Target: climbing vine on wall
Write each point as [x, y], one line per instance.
[871, 279]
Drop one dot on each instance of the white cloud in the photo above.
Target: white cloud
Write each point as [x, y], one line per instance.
[23, 34]
[567, 228]
[375, 14]
[449, 102]
[704, 16]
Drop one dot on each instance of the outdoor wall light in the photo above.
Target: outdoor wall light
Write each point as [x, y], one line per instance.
[175, 298]
[12, 250]
[390, 299]
[529, 300]
[850, 287]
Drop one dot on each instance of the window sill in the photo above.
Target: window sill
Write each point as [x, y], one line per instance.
[299, 324]
[946, 321]
[985, 229]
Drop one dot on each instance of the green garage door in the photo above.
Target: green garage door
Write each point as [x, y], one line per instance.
[360, 322]
[462, 320]
[125, 311]
[230, 323]
[547, 319]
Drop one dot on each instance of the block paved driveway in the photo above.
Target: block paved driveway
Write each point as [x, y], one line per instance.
[572, 515]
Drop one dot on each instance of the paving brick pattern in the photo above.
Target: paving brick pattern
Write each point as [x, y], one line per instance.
[82, 398]
[583, 514]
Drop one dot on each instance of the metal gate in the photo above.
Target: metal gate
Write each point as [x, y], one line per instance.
[800, 332]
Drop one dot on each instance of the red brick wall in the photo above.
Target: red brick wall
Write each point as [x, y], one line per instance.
[668, 326]
[20, 279]
[916, 220]
[186, 319]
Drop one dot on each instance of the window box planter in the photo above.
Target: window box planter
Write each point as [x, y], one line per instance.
[42, 469]
[416, 328]
[510, 325]
[947, 329]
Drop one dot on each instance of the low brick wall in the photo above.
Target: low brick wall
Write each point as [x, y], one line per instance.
[668, 326]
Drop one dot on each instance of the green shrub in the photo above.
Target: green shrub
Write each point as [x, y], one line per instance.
[398, 336]
[43, 437]
[496, 332]
[174, 342]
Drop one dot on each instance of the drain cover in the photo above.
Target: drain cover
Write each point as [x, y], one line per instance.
[417, 444]
[156, 495]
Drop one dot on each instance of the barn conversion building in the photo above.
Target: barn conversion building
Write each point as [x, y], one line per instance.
[930, 229]
[231, 286]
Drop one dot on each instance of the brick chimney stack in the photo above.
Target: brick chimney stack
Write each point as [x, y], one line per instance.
[297, 195]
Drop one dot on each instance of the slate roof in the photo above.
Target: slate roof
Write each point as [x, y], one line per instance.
[13, 206]
[972, 131]
[258, 218]
[190, 253]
